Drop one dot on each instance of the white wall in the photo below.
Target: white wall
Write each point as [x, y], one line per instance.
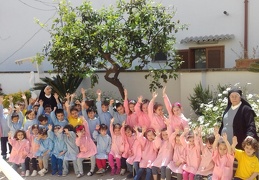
[178, 90]
[20, 37]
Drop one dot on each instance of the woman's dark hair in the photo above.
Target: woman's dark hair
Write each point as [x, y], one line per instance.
[145, 101]
[103, 127]
[90, 109]
[28, 112]
[210, 138]
[116, 126]
[19, 131]
[14, 115]
[69, 127]
[59, 111]
[42, 118]
[43, 131]
[35, 126]
[157, 105]
[250, 141]
[149, 130]
[127, 127]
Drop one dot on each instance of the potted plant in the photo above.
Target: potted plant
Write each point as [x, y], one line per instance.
[245, 62]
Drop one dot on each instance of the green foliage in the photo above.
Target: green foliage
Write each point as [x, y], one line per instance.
[60, 84]
[200, 95]
[17, 97]
[113, 39]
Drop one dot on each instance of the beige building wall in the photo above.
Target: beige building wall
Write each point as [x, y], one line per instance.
[177, 90]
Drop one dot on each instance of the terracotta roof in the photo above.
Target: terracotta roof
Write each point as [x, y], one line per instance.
[210, 38]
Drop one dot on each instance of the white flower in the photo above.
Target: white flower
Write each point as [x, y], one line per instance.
[249, 96]
[225, 92]
[201, 119]
[219, 95]
[210, 105]
[202, 105]
[215, 108]
[228, 89]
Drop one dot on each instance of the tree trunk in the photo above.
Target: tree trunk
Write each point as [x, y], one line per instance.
[116, 82]
[116, 69]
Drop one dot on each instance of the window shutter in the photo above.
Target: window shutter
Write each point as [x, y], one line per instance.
[215, 57]
[184, 54]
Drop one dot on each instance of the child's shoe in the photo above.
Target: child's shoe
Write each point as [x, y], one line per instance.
[90, 173]
[118, 171]
[122, 172]
[34, 173]
[42, 172]
[22, 173]
[80, 175]
[100, 171]
[54, 173]
[27, 173]
[112, 171]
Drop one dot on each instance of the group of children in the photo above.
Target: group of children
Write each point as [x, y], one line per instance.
[133, 137]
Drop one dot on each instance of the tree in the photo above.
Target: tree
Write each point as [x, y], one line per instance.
[114, 39]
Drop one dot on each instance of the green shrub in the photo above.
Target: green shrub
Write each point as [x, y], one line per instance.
[17, 97]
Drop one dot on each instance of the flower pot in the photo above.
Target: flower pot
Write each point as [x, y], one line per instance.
[245, 63]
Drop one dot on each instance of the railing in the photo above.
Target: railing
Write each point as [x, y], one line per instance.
[8, 171]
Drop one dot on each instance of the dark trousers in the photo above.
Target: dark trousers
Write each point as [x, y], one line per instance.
[56, 165]
[123, 163]
[140, 172]
[4, 142]
[34, 163]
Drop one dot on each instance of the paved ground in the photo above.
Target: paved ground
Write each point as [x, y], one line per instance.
[71, 175]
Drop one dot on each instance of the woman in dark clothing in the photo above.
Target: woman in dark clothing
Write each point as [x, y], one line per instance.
[47, 97]
[238, 118]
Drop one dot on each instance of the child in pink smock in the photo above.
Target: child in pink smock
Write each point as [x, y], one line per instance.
[86, 146]
[206, 166]
[148, 154]
[31, 134]
[20, 148]
[222, 157]
[155, 113]
[132, 118]
[176, 165]
[165, 153]
[193, 153]
[134, 155]
[117, 147]
[129, 138]
[141, 109]
[178, 120]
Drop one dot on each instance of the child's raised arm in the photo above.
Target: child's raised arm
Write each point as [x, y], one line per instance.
[126, 102]
[225, 138]
[167, 103]
[25, 101]
[98, 102]
[182, 137]
[111, 127]
[151, 105]
[67, 108]
[111, 107]
[137, 106]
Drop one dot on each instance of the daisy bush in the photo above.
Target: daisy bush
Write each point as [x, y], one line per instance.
[212, 111]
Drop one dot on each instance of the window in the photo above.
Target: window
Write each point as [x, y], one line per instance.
[204, 57]
[160, 56]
